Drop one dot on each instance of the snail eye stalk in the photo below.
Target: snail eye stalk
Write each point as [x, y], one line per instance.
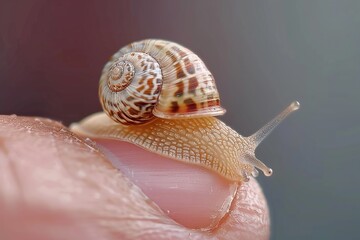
[255, 139]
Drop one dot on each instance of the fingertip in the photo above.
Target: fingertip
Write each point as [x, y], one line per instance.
[193, 196]
[190, 195]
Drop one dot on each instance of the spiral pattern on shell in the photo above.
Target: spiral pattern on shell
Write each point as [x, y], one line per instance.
[120, 75]
[130, 87]
[157, 78]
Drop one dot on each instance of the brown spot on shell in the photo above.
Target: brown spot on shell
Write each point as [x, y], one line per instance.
[132, 111]
[179, 72]
[123, 116]
[189, 66]
[157, 90]
[140, 88]
[180, 89]
[119, 114]
[130, 98]
[172, 56]
[150, 85]
[139, 104]
[190, 105]
[129, 76]
[193, 85]
[179, 51]
[174, 107]
[213, 103]
[158, 46]
[141, 81]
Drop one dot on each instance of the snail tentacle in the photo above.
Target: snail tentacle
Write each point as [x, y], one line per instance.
[263, 132]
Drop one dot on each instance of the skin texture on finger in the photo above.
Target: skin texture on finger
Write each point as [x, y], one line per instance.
[37, 223]
[50, 171]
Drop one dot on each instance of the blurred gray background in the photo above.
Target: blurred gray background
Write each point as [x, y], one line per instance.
[263, 54]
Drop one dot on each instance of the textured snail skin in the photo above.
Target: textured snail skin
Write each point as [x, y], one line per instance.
[206, 141]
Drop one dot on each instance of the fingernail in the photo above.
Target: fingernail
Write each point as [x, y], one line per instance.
[191, 195]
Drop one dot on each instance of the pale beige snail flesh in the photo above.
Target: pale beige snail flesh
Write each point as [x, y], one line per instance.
[178, 103]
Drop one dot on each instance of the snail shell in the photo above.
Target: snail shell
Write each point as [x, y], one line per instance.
[157, 78]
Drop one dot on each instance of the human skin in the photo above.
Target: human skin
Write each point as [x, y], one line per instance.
[57, 185]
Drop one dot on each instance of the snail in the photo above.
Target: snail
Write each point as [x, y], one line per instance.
[160, 96]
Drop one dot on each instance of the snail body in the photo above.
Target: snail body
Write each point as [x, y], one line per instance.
[207, 141]
[160, 96]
